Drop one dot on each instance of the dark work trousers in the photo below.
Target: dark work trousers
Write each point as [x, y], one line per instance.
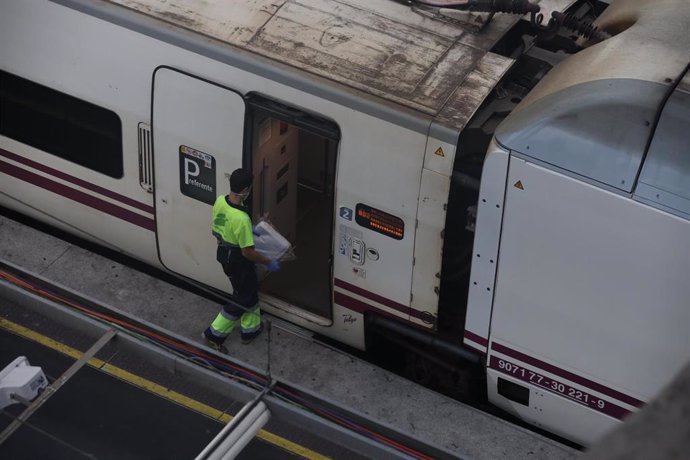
[245, 299]
[242, 275]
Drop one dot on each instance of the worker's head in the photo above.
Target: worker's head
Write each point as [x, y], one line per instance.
[241, 182]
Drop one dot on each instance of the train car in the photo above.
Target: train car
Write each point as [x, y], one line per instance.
[467, 185]
[581, 305]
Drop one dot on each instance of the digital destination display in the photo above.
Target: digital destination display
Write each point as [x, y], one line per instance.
[379, 221]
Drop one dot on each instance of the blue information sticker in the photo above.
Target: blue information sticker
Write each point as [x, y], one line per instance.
[346, 213]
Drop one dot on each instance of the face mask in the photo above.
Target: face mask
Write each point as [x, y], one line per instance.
[244, 195]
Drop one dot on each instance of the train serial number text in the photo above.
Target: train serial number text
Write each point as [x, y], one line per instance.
[548, 383]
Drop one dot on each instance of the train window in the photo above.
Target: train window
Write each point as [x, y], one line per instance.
[60, 124]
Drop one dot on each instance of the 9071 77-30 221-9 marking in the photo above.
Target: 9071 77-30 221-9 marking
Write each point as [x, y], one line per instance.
[555, 386]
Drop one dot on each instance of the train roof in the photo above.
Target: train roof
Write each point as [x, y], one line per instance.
[437, 66]
[595, 114]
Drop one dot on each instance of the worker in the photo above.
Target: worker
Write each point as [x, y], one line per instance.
[232, 227]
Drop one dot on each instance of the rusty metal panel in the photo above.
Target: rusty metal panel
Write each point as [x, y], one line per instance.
[386, 58]
[469, 96]
[424, 61]
[378, 46]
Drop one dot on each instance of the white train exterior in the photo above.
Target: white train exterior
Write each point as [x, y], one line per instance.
[349, 114]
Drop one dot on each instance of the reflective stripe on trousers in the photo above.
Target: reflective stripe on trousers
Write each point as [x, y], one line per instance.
[224, 323]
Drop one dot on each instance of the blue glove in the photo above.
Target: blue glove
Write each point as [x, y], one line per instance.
[254, 230]
[274, 266]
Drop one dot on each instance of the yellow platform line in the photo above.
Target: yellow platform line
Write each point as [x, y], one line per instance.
[155, 388]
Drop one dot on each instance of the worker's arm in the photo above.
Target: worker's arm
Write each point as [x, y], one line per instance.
[251, 254]
[254, 256]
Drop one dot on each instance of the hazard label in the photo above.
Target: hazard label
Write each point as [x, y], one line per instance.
[439, 152]
[519, 185]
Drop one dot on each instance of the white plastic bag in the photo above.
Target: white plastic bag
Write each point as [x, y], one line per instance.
[270, 243]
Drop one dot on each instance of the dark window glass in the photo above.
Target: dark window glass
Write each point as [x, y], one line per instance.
[60, 124]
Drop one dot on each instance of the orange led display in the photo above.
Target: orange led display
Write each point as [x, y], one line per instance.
[379, 221]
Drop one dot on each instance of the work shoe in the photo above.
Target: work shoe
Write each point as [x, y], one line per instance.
[215, 345]
[247, 337]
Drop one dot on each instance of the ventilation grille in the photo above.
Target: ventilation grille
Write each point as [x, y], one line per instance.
[145, 158]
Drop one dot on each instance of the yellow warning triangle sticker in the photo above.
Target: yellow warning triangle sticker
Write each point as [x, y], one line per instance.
[519, 185]
[439, 152]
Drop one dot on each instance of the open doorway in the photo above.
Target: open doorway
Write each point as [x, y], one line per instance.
[293, 158]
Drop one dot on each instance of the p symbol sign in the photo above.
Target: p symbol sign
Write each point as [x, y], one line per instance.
[197, 174]
[191, 168]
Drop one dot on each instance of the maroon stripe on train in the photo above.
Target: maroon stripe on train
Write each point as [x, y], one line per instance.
[77, 181]
[361, 307]
[376, 298]
[566, 375]
[559, 388]
[471, 336]
[78, 196]
[350, 303]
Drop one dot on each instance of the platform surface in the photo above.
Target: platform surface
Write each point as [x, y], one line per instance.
[97, 415]
[295, 357]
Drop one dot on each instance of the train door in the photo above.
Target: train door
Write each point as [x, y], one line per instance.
[201, 132]
[293, 161]
[198, 136]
